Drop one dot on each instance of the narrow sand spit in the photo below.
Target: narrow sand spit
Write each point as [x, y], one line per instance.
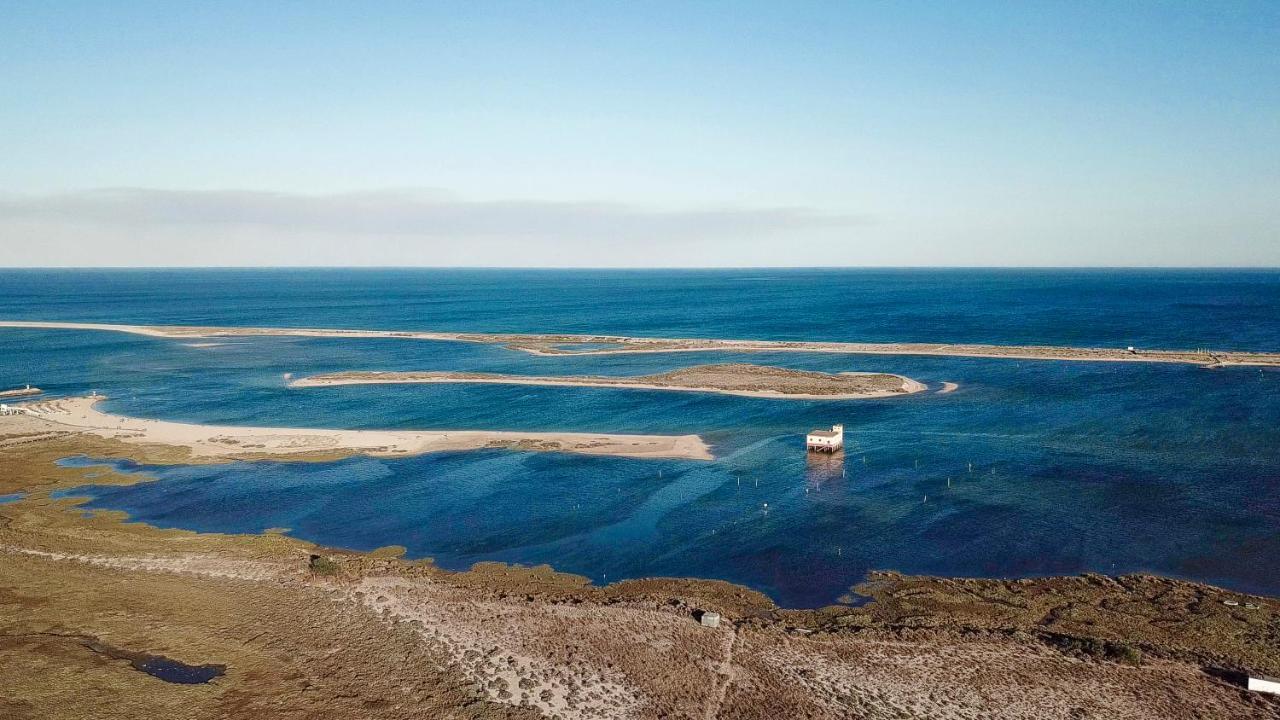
[214, 442]
[552, 344]
[728, 379]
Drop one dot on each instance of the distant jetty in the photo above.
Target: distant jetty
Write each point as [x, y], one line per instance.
[548, 344]
[20, 392]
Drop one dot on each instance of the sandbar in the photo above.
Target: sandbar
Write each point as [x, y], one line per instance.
[228, 442]
[755, 381]
[553, 344]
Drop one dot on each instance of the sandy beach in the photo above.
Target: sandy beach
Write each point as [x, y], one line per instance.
[727, 379]
[226, 442]
[554, 344]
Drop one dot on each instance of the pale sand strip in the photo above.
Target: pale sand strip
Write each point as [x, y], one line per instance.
[226, 442]
[905, 385]
[546, 344]
[200, 331]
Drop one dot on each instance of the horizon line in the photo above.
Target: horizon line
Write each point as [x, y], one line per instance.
[639, 267]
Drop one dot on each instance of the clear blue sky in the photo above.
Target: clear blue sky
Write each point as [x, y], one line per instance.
[1065, 133]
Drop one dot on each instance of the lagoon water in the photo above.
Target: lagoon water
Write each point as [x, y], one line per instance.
[1029, 468]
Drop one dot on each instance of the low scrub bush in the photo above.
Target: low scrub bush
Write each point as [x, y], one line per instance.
[324, 566]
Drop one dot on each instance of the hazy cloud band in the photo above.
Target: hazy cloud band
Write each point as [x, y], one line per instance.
[402, 213]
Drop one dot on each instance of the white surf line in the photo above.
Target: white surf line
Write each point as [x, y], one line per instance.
[635, 345]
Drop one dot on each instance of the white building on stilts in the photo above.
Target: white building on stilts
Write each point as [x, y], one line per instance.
[825, 440]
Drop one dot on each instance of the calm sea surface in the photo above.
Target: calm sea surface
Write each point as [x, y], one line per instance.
[1030, 468]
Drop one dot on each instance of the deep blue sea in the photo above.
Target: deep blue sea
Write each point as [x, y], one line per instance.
[1030, 468]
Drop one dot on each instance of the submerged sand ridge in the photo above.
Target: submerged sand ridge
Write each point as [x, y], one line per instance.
[552, 344]
[226, 442]
[727, 379]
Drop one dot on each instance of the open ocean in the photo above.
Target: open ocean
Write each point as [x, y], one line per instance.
[1053, 467]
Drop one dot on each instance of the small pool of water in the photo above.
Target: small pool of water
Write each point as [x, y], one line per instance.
[12, 497]
[172, 671]
[158, 666]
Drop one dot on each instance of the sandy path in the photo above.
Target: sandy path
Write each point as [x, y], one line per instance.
[726, 672]
[547, 344]
[498, 645]
[229, 442]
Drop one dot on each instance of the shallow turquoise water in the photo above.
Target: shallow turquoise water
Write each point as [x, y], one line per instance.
[1075, 466]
